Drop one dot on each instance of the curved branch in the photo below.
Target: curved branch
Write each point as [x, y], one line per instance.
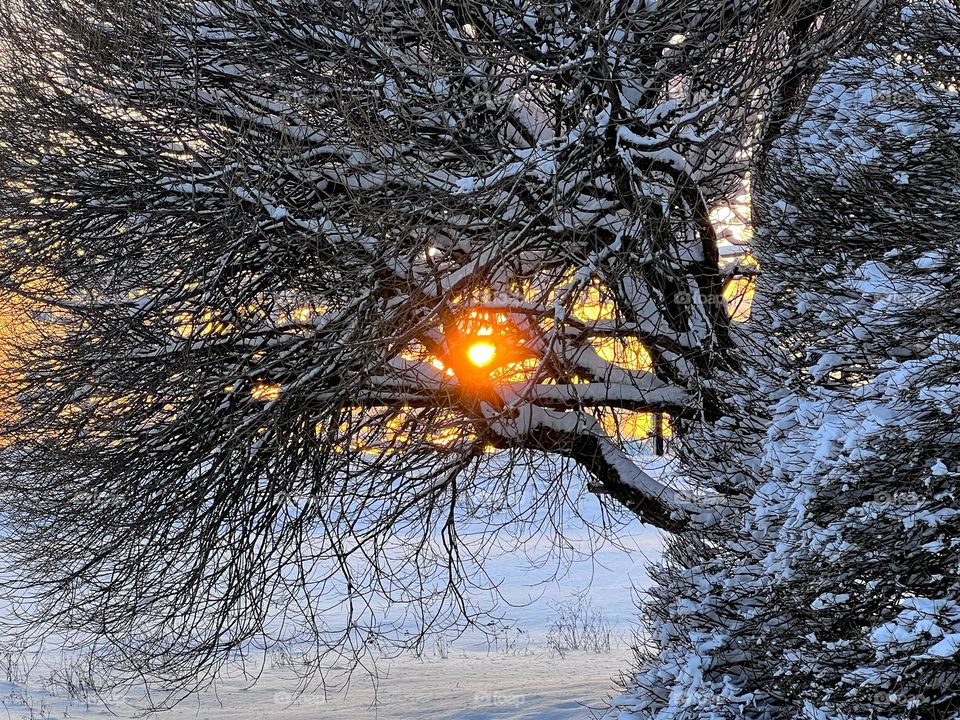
[579, 438]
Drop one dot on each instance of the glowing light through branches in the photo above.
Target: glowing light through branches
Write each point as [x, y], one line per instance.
[481, 353]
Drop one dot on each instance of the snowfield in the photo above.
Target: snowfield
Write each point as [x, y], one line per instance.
[519, 678]
[463, 686]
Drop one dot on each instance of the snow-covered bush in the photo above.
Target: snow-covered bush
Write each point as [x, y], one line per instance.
[830, 588]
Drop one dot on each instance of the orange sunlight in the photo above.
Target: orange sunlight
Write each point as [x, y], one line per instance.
[481, 353]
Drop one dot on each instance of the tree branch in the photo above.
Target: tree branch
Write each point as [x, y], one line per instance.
[579, 438]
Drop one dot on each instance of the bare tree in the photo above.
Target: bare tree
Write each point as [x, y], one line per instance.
[293, 271]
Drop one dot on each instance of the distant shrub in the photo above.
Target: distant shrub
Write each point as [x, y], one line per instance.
[579, 626]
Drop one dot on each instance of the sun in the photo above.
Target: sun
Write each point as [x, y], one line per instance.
[481, 353]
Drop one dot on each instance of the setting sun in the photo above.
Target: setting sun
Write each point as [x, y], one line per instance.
[481, 353]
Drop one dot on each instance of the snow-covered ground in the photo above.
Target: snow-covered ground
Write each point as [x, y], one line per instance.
[463, 686]
[462, 679]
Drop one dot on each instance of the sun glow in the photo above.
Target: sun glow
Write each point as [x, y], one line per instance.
[481, 353]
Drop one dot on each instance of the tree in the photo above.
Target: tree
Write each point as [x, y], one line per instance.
[292, 269]
[830, 590]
